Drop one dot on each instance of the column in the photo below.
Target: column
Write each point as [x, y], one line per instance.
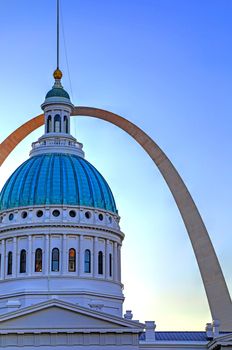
[119, 263]
[77, 247]
[115, 257]
[29, 256]
[107, 254]
[3, 259]
[68, 121]
[47, 254]
[64, 254]
[17, 263]
[95, 257]
[14, 267]
[62, 121]
[53, 126]
[81, 257]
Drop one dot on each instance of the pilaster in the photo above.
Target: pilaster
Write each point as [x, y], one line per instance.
[14, 260]
[119, 263]
[47, 254]
[29, 267]
[95, 257]
[3, 259]
[107, 254]
[81, 262]
[115, 259]
[64, 268]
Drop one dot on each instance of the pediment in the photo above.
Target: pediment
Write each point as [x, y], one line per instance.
[59, 315]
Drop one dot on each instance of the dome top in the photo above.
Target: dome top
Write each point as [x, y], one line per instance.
[57, 92]
[56, 179]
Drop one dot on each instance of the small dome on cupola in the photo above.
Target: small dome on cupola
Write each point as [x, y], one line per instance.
[57, 94]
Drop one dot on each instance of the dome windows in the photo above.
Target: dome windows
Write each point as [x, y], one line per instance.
[100, 263]
[87, 261]
[38, 260]
[24, 215]
[94, 254]
[66, 128]
[57, 123]
[72, 260]
[9, 263]
[56, 213]
[72, 213]
[87, 214]
[55, 260]
[23, 261]
[39, 213]
[49, 124]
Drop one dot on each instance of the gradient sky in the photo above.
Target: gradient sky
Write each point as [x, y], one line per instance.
[166, 65]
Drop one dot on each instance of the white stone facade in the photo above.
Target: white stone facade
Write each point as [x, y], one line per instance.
[85, 229]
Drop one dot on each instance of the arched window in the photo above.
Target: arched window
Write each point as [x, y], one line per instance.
[49, 124]
[55, 259]
[87, 261]
[100, 263]
[23, 261]
[66, 124]
[9, 265]
[110, 264]
[72, 260]
[57, 123]
[38, 260]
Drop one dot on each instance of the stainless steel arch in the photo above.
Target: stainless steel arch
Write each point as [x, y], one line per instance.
[215, 286]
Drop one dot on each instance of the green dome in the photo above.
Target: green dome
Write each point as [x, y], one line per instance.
[57, 92]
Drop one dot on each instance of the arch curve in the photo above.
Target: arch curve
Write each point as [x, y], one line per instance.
[214, 283]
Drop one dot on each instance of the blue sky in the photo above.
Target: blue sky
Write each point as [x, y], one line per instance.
[166, 66]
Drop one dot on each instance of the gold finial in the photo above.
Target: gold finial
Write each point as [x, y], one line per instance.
[57, 74]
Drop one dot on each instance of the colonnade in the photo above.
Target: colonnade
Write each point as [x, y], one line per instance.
[111, 250]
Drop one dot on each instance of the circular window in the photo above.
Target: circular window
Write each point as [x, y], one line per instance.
[110, 219]
[11, 216]
[87, 214]
[39, 213]
[24, 214]
[56, 213]
[72, 213]
[100, 217]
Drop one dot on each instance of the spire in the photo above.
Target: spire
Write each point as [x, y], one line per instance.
[58, 34]
[57, 74]
[57, 95]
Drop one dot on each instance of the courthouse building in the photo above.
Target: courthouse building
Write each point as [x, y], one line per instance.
[60, 253]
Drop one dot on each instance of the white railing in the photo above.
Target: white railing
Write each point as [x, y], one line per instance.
[52, 143]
